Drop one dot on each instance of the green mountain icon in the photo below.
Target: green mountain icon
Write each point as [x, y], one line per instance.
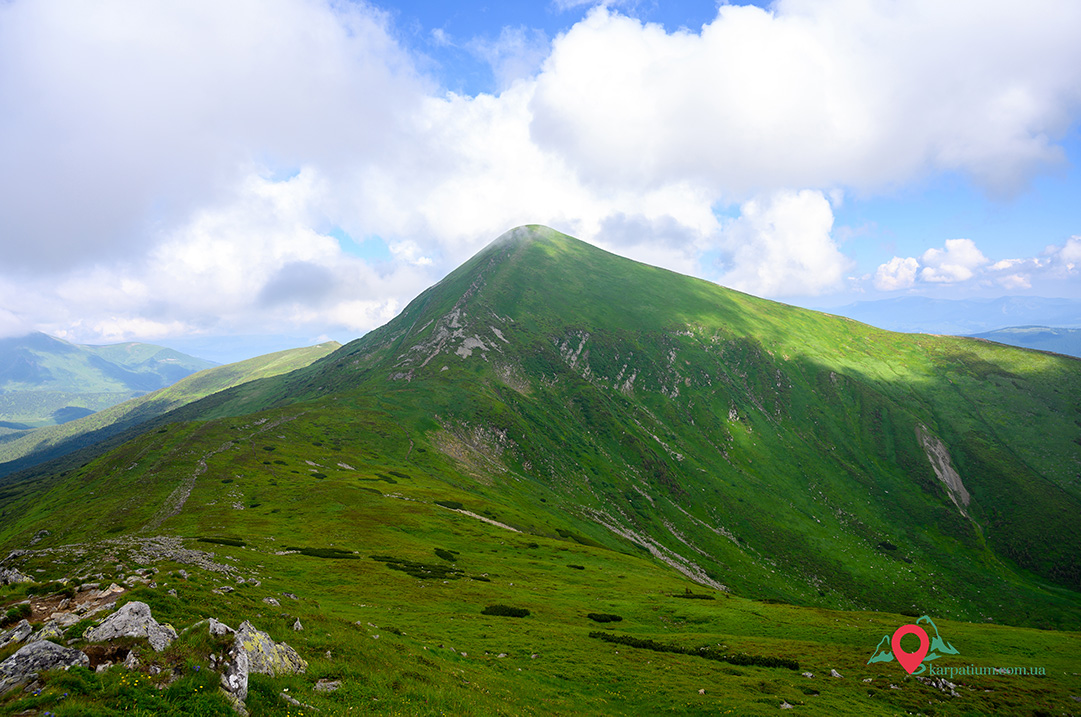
[883, 653]
[938, 647]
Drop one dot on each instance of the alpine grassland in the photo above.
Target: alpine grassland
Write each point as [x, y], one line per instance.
[562, 483]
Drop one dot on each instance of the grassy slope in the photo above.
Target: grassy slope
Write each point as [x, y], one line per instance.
[796, 432]
[312, 476]
[51, 441]
[345, 456]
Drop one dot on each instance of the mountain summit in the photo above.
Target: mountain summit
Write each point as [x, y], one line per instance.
[755, 447]
[563, 482]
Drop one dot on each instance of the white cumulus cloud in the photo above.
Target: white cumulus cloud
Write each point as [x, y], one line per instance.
[184, 166]
[957, 261]
[781, 246]
[896, 274]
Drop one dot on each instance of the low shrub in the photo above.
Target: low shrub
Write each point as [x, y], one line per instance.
[449, 555]
[421, 571]
[577, 567]
[505, 611]
[452, 504]
[15, 613]
[234, 542]
[331, 553]
[693, 596]
[604, 617]
[707, 652]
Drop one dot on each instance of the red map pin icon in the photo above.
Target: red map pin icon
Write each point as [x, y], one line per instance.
[910, 660]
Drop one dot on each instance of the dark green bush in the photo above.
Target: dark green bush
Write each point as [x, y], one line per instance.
[604, 617]
[449, 555]
[452, 504]
[707, 652]
[692, 596]
[421, 571]
[15, 613]
[333, 553]
[234, 542]
[577, 567]
[505, 611]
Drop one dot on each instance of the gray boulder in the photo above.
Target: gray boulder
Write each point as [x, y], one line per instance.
[35, 658]
[49, 631]
[219, 629]
[10, 576]
[254, 651]
[133, 620]
[18, 633]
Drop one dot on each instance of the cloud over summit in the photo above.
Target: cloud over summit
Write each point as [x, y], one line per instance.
[185, 165]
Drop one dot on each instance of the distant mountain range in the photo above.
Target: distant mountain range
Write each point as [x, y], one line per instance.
[1027, 321]
[46, 380]
[963, 317]
[20, 449]
[1044, 338]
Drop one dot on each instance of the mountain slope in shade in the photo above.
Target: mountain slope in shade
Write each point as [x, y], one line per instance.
[45, 380]
[560, 390]
[28, 448]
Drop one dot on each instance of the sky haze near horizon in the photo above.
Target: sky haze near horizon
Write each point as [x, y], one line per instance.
[304, 168]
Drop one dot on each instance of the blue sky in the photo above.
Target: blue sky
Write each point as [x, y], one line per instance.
[302, 168]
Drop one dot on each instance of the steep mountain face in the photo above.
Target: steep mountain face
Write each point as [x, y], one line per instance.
[768, 450]
[44, 380]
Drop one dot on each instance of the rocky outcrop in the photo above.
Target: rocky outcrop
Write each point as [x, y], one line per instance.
[939, 457]
[254, 651]
[49, 631]
[35, 658]
[133, 620]
[18, 633]
[220, 629]
[10, 576]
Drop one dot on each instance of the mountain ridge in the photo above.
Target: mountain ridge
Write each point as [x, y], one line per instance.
[45, 380]
[624, 391]
[559, 479]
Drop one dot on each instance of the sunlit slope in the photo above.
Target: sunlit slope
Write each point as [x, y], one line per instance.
[51, 441]
[775, 451]
[401, 553]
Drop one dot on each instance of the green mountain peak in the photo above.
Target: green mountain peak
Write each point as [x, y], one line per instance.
[583, 485]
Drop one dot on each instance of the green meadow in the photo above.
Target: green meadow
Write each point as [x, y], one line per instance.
[559, 431]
